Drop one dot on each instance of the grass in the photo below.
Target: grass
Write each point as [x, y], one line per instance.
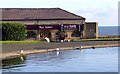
[22, 42]
[99, 39]
[39, 42]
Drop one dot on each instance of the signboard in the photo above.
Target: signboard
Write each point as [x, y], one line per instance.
[47, 27]
[51, 27]
[32, 27]
[69, 26]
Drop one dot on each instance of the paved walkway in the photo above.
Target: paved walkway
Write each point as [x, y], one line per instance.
[7, 48]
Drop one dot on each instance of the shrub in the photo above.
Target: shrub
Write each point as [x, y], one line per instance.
[13, 31]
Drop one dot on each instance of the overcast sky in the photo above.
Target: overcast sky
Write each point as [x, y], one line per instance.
[105, 12]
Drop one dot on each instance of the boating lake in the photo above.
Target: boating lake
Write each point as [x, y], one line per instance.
[87, 60]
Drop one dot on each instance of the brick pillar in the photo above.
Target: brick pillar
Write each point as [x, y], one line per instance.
[53, 34]
[38, 35]
[68, 34]
[83, 33]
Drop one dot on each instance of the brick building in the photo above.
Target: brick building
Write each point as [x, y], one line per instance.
[41, 22]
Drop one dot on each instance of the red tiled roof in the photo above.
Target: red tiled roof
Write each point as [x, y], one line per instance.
[37, 13]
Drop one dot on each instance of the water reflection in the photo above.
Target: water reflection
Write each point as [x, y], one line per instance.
[58, 53]
[81, 50]
[14, 62]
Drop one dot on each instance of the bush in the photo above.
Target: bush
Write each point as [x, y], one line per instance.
[0, 32]
[13, 31]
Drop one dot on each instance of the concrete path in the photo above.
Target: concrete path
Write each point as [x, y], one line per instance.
[8, 48]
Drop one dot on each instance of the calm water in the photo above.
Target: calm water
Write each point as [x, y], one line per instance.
[88, 60]
[108, 30]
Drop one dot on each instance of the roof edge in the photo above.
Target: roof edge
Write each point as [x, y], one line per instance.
[35, 19]
[72, 13]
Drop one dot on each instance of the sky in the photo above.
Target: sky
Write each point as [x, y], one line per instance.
[105, 12]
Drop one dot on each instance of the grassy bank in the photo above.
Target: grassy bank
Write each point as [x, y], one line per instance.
[38, 42]
[99, 39]
[22, 42]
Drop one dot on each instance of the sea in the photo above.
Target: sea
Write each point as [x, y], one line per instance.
[108, 30]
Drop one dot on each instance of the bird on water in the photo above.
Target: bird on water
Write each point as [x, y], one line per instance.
[79, 47]
[57, 49]
[93, 47]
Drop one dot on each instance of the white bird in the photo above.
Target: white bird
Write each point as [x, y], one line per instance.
[81, 50]
[81, 46]
[20, 52]
[57, 49]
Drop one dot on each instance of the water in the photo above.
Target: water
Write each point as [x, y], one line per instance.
[108, 31]
[88, 60]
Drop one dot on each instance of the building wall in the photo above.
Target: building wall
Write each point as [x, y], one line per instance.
[61, 22]
[90, 30]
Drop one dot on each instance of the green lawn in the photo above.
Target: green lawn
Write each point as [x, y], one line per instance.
[99, 39]
[38, 42]
[22, 42]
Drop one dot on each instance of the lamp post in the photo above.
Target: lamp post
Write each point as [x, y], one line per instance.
[38, 32]
[79, 26]
[62, 27]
